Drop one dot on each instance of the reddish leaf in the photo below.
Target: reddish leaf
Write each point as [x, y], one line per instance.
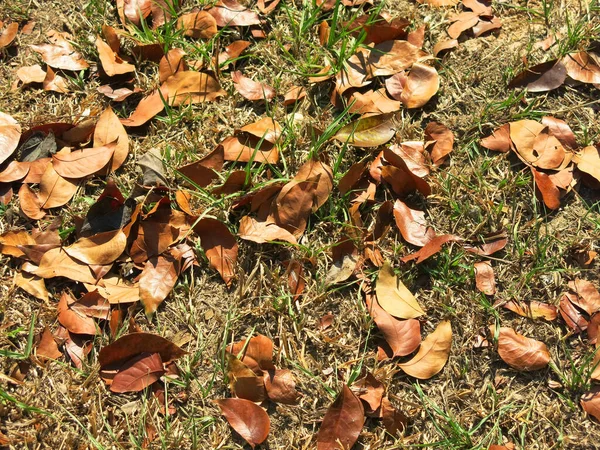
[9, 34]
[559, 129]
[412, 224]
[250, 89]
[439, 141]
[499, 140]
[47, 347]
[257, 352]
[138, 373]
[72, 320]
[342, 423]
[549, 191]
[483, 26]
[390, 57]
[432, 355]
[156, 281]
[296, 281]
[431, 248]
[220, 247]
[582, 67]
[571, 315]
[590, 402]
[232, 52]
[14, 171]
[421, 84]
[92, 304]
[588, 297]
[132, 344]
[542, 77]
[462, 22]
[370, 391]
[248, 419]
[520, 352]
[393, 420]
[490, 244]
[441, 46]
[484, 278]
[10, 133]
[281, 387]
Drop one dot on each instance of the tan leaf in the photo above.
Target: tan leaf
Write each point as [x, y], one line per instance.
[394, 297]
[31, 74]
[220, 247]
[112, 64]
[102, 248]
[433, 354]
[32, 284]
[82, 163]
[421, 85]
[10, 133]
[588, 161]
[588, 296]
[250, 89]
[484, 278]
[171, 63]
[110, 130]
[260, 232]
[372, 131]
[47, 347]
[9, 34]
[60, 54]
[156, 281]
[57, 263]
[54, 189]
[533, 309]
[73, 321]
[198, 25]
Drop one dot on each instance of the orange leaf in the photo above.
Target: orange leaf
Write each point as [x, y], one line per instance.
[342, 423]
[112, 64]
[250, 89]
[433, 354]
[220, 247]
[198, 25]
[109, 130]
[47, 347]
[138, 373]
[520, 352]
[394, 297]
[156, 281]
[9, 35]
[102, 248]
[484, 278]
[54, 189]
[73, 321]
[10, 133]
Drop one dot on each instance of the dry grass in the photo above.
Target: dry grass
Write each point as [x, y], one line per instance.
[475, 401]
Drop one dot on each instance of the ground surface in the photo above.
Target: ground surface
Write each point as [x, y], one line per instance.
[475, 401]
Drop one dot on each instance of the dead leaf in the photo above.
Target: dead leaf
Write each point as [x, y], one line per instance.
[421, 84]
[171, 63]
[260, 232]
[439, 140]
[47, 347]
[342, 423]
[541, 77]
[432, 355]
[10, 134]
[571, 315]
[588, 297]
[30, 203]
[231, 53]
[102, 248]
[9, 34]
[220, 247]
[499, 141]
[54, 189]
[559, 129]
[533, 309]
[462, 22]
[520, 352]
[60, 54]
[231, 13]
[390, 57]
[92, 304]
[431, 248]
[132, 344]
[117, 95]
[548, 190]
[32, 284]
[484, 278]
[582, 67]
[257, 352]
[31, 74]
[483, 26]
[394, 421]
[112, 64]
[248, 419]
[590, 402]
[156, 281]
[57, 263]
[370, 391]
[403, 336]
[588, 161]
[73, 321]
[442, 46]
[110, 130]
[412, 224]
[198, 25]
[372, 131]
[138, 373]
[281, 386]
[394, 297]
[251, 90]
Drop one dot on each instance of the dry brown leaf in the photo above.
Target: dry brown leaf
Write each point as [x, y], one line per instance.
[102, 248]
[248, 419]
[9, 34]
[442, 46]
[60, 54]
[10, 134]
[412, 224]
[548, 190]
[394, 297]
[588, 161]
[588, 297]
[232, 53]
[483, 26]
[520, 352]
[533, 309]
[112, 64]
[390, 57]
[499, 141]
[257, 352]
[109, 129]
[421, 84]
[432, 355]
[220, 247]
[439, 140]
[250, 89]
[32, 284]
[431, 248]
[82, 163]
[73, 321]
[260, 232]
[30, 203]
[281, 386]
[138, 373]
[10, 242]
[171, 63]
[54, 189]
[372, 103]
[198, 25]
[572, 316]
[542, 77]
[231, 13]
[47, 348]
[342, 423]
[370, 390]
[156, 281]
[582, 67]
[133, 344]
[57, 263]
[590, 402]
[484, 278]
[31, 74]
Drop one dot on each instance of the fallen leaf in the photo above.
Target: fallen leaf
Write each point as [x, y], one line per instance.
[138, 373]
[60, 54]
[30, 203]
[281, 386]
[394, 421]
[394, 297]
[582, 67]
[559, 129]
[442, 46]
[342, 423]
[220, 247]
[439, 141]
[541, 77]
[9, 34]
[588, 297]
[10, 134]
[588, 161]
[499, 141]
[92, 304]
[73, 321]
[260, 232]
[431, 248]
[251, 90]
[110, 130]
[421, 84]
[484, 278]
[54, 189]
[171, 63]
[32, 284]
[47, 348]
[249, 420]
[548, 190]
[231, 13]
[102, 248]
[118, 95]
[483, 26]
[370, 391]
[390, 57]
[533, 309]
[412, 224]
[57, 263]
[132, 344]
[432, 355]
[198, 25]
[371, 131]
[10, 241]
[590, 402]
[232, 52]
[111, 63]
[257, 352]
[571, 315]
[462, 22]
[520, 352]
[156, 281]
[31, 74]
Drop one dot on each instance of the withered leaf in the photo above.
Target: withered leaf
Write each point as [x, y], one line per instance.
[250, 89]
[394, 297]
[248, 419]
[432, 355]
[520, 352]
[484, 278]
[10, 133]
[47, 348]
[138, 373]
[371, 131]
[220, 247]
[342, 423]
[157, 280]
[132, 344]
[102, 248]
